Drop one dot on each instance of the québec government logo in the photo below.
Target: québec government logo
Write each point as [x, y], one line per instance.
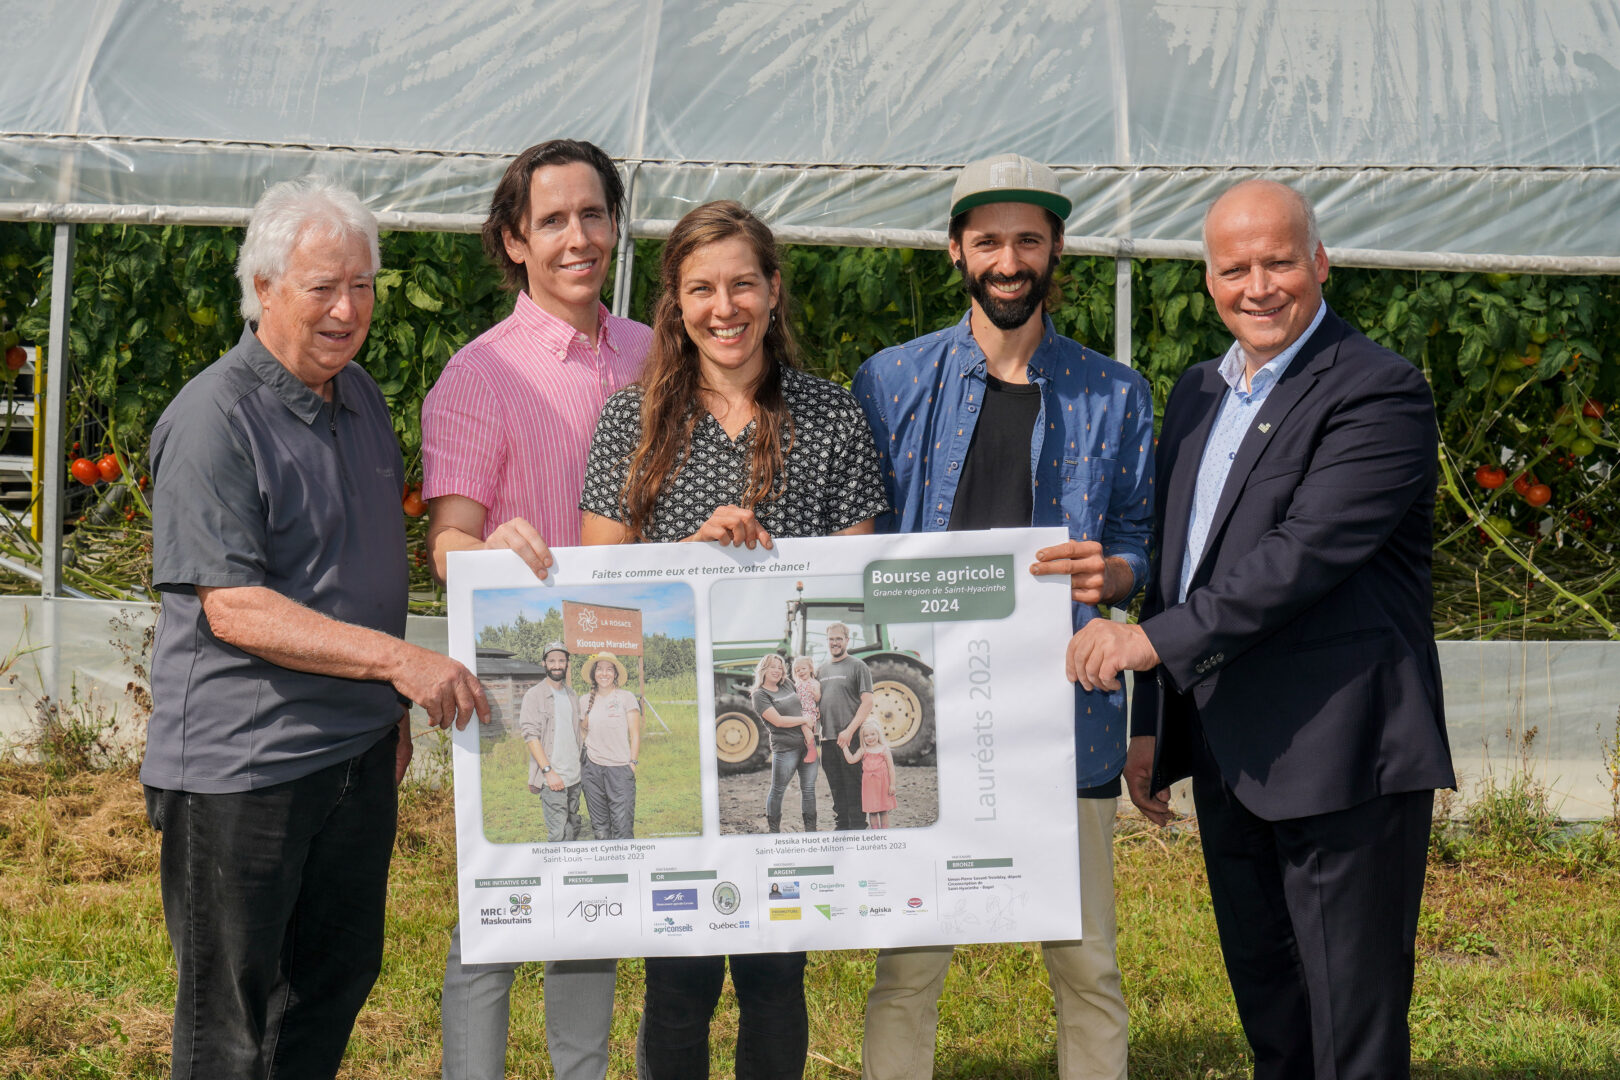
[726, 898]
[591, 910]
[520, 904]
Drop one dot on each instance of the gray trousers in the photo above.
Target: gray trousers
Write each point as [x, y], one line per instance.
[610, 798]
[562, 813]
[477, 1007]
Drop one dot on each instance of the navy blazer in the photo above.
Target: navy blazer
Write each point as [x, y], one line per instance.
[1306, 643]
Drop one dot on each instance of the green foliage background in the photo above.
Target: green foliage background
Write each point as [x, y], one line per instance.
[154, 304]
[669, 660]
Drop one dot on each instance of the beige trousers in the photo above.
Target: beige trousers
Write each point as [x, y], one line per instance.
[902, 1008]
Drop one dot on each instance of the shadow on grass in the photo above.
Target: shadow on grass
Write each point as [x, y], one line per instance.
[1220, 1056]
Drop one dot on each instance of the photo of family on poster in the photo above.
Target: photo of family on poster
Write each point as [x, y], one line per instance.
[823, 719]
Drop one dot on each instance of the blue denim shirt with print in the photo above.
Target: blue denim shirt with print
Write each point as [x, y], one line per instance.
[1091, 465]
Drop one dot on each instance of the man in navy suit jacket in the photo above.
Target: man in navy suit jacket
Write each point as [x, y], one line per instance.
[1290, 651]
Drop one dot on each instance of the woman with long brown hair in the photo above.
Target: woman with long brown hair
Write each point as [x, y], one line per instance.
[726, 439]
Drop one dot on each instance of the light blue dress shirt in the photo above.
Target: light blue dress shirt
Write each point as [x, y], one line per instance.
[1238, 410]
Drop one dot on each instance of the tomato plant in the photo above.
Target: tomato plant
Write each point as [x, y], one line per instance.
[1490, 477]
[109, 468]
[84, 471]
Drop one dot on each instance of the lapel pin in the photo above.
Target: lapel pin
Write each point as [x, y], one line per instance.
[1264, 428]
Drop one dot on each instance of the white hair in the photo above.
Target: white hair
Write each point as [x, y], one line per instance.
[281, 216]
[1313, 235]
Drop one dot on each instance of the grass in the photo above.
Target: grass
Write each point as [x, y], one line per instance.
[1518, 974]
[668, 797]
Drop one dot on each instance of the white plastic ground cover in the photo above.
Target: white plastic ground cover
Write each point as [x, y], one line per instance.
[81, 655]
[1568, 691]
[1463, 128]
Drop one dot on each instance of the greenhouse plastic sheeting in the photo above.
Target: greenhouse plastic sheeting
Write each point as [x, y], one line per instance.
[82, 653]
[1449, 127]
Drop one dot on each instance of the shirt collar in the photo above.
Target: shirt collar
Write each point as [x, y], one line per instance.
[555, 334]
[1231, 368]
[300, 400]
[973, 358]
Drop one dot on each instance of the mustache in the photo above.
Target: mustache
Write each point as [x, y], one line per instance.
[1010, 279]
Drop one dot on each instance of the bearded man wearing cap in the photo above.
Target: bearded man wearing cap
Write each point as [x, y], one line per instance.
[995, 422]
[553, 728]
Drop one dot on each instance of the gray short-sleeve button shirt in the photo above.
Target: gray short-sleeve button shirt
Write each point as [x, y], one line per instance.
[259, 481]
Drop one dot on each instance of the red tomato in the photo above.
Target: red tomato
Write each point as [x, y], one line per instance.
[85, 471]
[16, 357]
[412, 502]
[1593, 409]
[108, 467]
[1522, 482]
[1490, 477]
[1538, 495]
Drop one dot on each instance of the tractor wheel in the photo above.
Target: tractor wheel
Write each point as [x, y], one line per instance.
[740, 741]
[903, 702]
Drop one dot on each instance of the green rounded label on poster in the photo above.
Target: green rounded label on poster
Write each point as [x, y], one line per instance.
[975, 587]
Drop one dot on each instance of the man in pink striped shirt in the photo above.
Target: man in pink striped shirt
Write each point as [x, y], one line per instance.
[505, 433]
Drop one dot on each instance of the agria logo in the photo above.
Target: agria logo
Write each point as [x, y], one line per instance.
[591, 910]
[520, 904]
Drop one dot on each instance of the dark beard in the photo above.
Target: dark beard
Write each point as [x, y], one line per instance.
[1009, 314]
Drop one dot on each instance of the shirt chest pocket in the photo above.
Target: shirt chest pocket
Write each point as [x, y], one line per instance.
[1085, 484]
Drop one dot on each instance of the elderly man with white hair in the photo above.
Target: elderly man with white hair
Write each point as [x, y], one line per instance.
[279, 675]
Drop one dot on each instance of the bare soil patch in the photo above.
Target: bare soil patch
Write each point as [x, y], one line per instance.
[742, 801]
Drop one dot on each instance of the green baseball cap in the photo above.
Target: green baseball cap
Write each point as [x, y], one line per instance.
[1008, 178]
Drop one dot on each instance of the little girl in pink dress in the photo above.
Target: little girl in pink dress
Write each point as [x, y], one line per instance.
[877, 774]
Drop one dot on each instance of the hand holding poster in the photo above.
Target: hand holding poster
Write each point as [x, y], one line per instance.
[843, 742]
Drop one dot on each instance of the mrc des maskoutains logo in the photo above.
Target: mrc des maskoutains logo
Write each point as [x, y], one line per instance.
[521, 904]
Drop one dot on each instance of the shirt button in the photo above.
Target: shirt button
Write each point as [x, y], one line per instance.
[1231, 455]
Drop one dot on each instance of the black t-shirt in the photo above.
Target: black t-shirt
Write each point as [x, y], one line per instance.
[996, 490]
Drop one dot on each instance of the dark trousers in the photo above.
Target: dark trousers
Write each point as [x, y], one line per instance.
[1318, 919]
[773, 1029]
[274, 903]
[844, 780]
[610, 799]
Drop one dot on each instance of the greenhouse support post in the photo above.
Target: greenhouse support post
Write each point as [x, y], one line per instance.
[623, 283]
[1122, 343]
[57, 367]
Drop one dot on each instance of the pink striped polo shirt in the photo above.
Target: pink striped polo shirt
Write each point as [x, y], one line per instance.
[509, 423]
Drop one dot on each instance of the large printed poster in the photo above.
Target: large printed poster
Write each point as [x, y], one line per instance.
[670, 781]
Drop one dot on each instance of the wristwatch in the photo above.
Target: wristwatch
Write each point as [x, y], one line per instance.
[544, 769]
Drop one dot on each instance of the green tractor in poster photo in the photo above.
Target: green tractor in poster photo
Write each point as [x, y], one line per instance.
[902, 683]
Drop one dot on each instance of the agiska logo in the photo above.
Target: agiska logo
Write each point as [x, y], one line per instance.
[520, 904]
